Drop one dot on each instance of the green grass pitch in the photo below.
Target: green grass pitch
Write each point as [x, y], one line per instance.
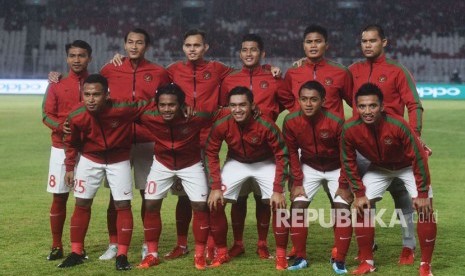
[24, 207]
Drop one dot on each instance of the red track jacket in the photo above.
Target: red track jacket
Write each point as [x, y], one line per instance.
[133, 84]
[397, 84]
[336, 79]
[318, 138]
[58, 101]
[177, 144]
[268, 91]
[104, 137]
[391, 144]
[259, 140]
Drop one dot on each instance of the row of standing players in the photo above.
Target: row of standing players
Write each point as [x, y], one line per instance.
[137, 79]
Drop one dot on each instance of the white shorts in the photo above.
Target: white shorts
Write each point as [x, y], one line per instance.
[235, 173]
[314, 179]
[250, 186]
[89, 175]
[161, 179]
[56, 172]
[377, 180]
[141, 161]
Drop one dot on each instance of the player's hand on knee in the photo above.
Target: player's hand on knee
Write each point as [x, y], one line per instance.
[277, 201]
[69, 179]
[215, 198]
[297, 191]
[360, 204]
[345, 194]
[423, 205]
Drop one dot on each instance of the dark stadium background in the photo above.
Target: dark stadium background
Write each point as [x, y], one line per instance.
[427, 36]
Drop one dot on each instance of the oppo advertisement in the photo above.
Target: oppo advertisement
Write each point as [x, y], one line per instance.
[425, 90]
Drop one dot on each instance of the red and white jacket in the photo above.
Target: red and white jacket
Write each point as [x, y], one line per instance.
[103, 137]
[269, 93]
[177, 144]
[335, 77]
[397, 85]
[390, 144]
[58, 101]
[258, 140]
[133, 84]
[318, 138]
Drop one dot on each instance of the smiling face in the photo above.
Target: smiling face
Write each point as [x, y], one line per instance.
[168, 106]
[369, 108]
[194, 47]
[241, 108]
[372, 44]
[78, 59]
[94, 96]
[250, 54]
[310, 102]
[315, 46]
[135, 46]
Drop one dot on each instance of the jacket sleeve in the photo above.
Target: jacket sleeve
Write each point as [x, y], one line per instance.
[409, 94]
[50, 109]
[281, 154]
[296, 175]
[287, 86]
[349, 169]
[414, 150]
[212, 158]
[223, 70]
[347, 90]
[285, 98]
[72, 144]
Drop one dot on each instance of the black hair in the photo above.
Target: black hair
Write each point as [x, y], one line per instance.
[139, 31]
[171, 89]
[314, 85]
[369, 89]
[316, 29]
[79, 44]
[202, 33]
[255, 38]
[97, 78]
[241, 90]
[375, 27]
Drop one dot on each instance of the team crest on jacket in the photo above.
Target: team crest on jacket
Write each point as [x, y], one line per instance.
[382, 78]
[148, 77]
[324, 134]
[388, 141]
[207, 75]
[114, 124]
[254, 140]
[328, 81]
[264, 84]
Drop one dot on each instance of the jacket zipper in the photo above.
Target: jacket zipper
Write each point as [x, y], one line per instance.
[371, 71]
[195, 85]
[314, 72]
[315, 141]
[377, 143]
[242, 140]
[172, 147]
[134, 98]
[251, 84]
[104, 140]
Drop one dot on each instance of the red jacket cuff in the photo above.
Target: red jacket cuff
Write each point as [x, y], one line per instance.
[69, 168]
[423, 194]
[278, 189]
[360, 193]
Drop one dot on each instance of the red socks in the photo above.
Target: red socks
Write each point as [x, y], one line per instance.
[201, 229]
[365, 235]
[426, 229]
[263, 216]
[183, 219]
[57, 218]
[238, 214]
[219, 226]
[152, 230]
[111, 221]
[79, 223]
[124, 226]
[342, 233]
[299, 236]
[281, 233]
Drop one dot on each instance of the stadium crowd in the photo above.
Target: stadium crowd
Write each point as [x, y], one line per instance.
[432, 44]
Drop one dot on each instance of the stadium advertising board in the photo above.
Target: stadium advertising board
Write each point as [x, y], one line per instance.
[425, 90]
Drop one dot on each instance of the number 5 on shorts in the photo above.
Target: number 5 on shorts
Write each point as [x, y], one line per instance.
[79, 186]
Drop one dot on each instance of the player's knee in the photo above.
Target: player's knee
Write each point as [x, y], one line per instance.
[83, 202]
[300, 204]
[199, 206]
[122, 204]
